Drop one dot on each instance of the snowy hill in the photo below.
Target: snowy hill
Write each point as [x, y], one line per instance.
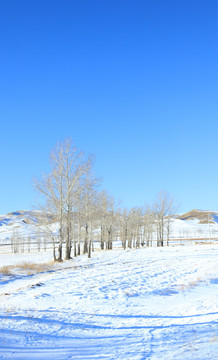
[191, 225]
[202, 216]
[20, 222]
[19, 217]
[195, 224]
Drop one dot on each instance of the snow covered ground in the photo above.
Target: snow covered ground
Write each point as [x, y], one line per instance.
[152, 303]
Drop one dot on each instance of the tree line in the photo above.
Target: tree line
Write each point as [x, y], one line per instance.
[72, 200]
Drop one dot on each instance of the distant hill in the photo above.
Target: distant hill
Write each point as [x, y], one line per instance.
[204, 217]
[23, 222]
[28, 223]
[19, 217]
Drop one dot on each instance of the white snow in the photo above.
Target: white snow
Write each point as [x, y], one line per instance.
[152, 303]
[23, 225]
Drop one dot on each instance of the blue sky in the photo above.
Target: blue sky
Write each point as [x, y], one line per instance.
[133, 82]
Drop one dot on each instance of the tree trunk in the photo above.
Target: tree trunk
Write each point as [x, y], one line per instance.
[90, 242]
[60, 245]
[78, 249]
[54, 252]
[102, 238]
[79, 238]
[60, 252]
[68, 247]
[85, 248]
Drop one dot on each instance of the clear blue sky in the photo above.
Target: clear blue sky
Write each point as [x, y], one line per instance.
[133, 82]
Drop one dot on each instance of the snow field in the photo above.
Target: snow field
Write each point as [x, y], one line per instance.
[152, 303]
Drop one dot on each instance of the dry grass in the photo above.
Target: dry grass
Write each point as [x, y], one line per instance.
[35, 267]
[27, 268]
[190, 285]
[6, 270]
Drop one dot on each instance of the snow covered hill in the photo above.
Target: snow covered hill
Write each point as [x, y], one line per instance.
[23, 225]
[19, 217]
[203, 217]
[19, 221]
[196, 224]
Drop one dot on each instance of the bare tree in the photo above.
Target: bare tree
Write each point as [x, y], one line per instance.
[148, 226]
[164, 210]
[61, 186]
[110, 223]
[123, 226]
[108, 220]
[52, 186]
[103, 209]
[89, 211]
[76, 170]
